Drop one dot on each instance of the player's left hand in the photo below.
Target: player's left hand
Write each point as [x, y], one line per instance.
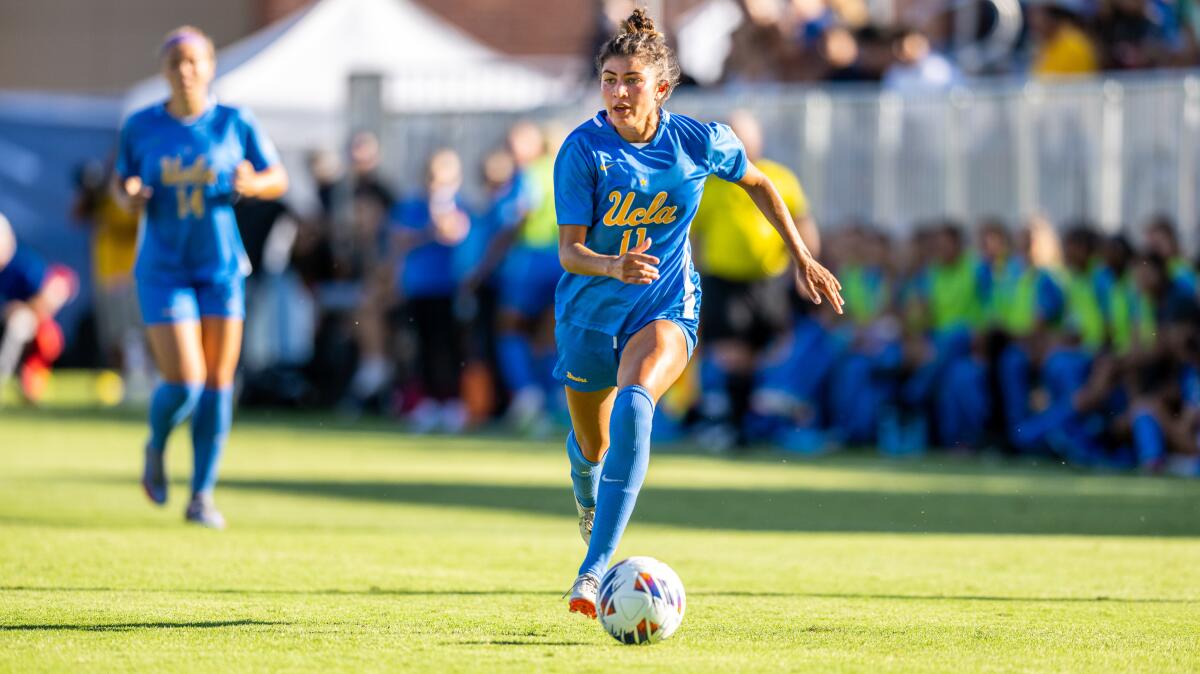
[245, 180]
[814, 280]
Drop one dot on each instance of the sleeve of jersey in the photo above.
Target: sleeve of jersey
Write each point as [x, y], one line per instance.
[124, 164]
[726, 155]
[574, 185]
[260, 151]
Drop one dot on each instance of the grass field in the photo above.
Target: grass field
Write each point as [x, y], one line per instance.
[356, 547]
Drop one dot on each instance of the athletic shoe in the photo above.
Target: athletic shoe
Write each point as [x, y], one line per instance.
[425, 417]
[586, 517]
[154, 477]
[582, 596]
[204, 512]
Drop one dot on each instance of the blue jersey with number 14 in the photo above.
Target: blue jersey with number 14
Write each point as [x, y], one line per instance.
[626, 194]
[189, 234]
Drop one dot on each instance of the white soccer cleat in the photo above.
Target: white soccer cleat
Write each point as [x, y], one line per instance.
[586, 517]
[582, 596]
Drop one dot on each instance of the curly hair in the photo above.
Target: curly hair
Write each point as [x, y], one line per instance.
[638, 38]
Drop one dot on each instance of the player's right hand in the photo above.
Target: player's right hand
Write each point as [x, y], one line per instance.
[137, 192]
[635, 266]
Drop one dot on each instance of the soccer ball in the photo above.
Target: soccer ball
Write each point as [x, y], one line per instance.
[641, 601]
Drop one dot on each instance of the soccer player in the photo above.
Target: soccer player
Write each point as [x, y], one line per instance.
[183, 163]
[626, 186]
[31, 293]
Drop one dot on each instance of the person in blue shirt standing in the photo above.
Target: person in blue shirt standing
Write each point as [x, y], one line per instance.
[427, 230]
[627, 184]
[182, 163]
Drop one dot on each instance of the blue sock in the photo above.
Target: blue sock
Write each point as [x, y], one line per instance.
[210, 428]
[585, 475]
[169, 406]
[622, 476]
[516, 360]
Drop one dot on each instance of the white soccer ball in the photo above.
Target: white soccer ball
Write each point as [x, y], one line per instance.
[641, 601]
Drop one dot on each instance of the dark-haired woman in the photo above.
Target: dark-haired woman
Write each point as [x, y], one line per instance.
[626, 185]
[183, 163]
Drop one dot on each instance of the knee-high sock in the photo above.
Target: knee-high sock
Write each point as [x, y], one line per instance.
[585, 475]
[210, 428]
[622, 476]
[169, 406]
[516, 360]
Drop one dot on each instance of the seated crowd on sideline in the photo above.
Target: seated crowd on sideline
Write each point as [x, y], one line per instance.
[1043, 339]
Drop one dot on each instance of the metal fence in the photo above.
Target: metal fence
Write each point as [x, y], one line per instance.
[1112, 151]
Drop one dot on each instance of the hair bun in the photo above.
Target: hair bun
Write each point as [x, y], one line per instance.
[639, 22]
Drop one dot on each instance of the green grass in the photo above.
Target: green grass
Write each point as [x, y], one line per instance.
[356, 547]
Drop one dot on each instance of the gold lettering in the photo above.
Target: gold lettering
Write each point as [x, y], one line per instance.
[622, 214]
[615, 198]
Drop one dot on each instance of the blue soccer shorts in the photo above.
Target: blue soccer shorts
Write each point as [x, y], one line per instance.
[180, 302]
[588, 359]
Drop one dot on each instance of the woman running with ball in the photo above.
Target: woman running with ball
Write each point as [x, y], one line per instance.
[183, 163]
[627, 184]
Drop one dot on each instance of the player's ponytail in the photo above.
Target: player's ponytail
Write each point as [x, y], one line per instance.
[639, 38]
[639, 22]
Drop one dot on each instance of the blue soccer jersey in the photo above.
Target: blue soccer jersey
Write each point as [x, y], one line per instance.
[189, 233]
[22, 277]
[624, 195]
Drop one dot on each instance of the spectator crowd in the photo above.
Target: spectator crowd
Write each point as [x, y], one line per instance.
[1036, 338]
[935, 43]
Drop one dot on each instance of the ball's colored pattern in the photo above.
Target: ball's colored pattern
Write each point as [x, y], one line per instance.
[641, 601]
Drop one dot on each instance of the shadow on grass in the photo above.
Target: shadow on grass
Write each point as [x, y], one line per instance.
[401, 592]
[517, 643]
[1102, 513]
[129, 627]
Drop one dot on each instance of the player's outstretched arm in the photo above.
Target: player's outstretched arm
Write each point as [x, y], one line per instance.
[811, 275]
[634, 267]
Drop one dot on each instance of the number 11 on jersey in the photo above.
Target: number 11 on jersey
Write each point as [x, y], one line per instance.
[641, 238]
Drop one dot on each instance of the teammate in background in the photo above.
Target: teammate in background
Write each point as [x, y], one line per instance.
[426, 231]
[30, 295]
[1162, 240]
[114, 247]
[742, 257]
[183, 163]
[627, 184]
[526, 253]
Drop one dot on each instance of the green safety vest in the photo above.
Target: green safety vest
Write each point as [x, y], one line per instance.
[1131, 312]
[541, 224]
[1014, 301]
[1083, 308]
[954, 294]
[865, 292]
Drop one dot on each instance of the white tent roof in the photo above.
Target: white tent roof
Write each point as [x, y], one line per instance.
[302, 63]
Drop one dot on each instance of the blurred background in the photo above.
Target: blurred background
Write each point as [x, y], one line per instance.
[1007, 189]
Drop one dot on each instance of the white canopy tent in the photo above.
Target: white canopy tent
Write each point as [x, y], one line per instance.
[294, 73]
